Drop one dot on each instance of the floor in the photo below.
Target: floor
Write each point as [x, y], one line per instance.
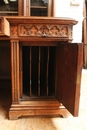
[34, 123]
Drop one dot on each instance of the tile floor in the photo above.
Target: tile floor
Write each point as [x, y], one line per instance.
[34, 123]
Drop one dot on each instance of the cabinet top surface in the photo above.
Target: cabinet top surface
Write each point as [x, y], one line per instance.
[56, 20]
[41, 28]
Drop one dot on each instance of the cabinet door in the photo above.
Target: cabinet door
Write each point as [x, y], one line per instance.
[69, 65]
[38, 8]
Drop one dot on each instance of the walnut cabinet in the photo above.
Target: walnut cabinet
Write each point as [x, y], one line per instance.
[45, 66]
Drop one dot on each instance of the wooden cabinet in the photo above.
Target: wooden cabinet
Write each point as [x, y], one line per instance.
[45, 66]
[50, 77]
[27, 8]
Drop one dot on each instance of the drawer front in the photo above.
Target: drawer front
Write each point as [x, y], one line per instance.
[42, 30]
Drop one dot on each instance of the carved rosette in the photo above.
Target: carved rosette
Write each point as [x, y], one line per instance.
[43, 30]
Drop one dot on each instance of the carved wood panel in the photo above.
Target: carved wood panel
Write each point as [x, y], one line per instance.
[14, 30]
[41, 30]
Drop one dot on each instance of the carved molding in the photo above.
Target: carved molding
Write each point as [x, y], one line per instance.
[43, 30]
[40, 30]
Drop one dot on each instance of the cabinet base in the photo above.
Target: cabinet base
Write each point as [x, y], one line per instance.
[15, 114]
[37, 108]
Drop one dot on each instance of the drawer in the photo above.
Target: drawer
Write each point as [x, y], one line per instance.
[41, 29]
[44, 31]
[4, 27]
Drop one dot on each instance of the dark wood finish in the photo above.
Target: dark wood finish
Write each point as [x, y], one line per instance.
[5, 67]
[4, 50]
[70, 71]
[45, 66]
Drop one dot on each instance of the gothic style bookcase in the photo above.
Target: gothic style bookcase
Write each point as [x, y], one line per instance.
[45, 65]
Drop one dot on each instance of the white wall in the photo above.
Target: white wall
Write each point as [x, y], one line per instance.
[63, 8]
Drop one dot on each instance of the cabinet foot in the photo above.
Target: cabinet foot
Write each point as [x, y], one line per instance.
[15, 114]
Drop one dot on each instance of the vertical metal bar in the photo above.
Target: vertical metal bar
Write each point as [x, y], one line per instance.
[30, 70]
[39, 70]
[47, 73]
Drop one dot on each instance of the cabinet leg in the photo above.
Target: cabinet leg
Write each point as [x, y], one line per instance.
[64, 113]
